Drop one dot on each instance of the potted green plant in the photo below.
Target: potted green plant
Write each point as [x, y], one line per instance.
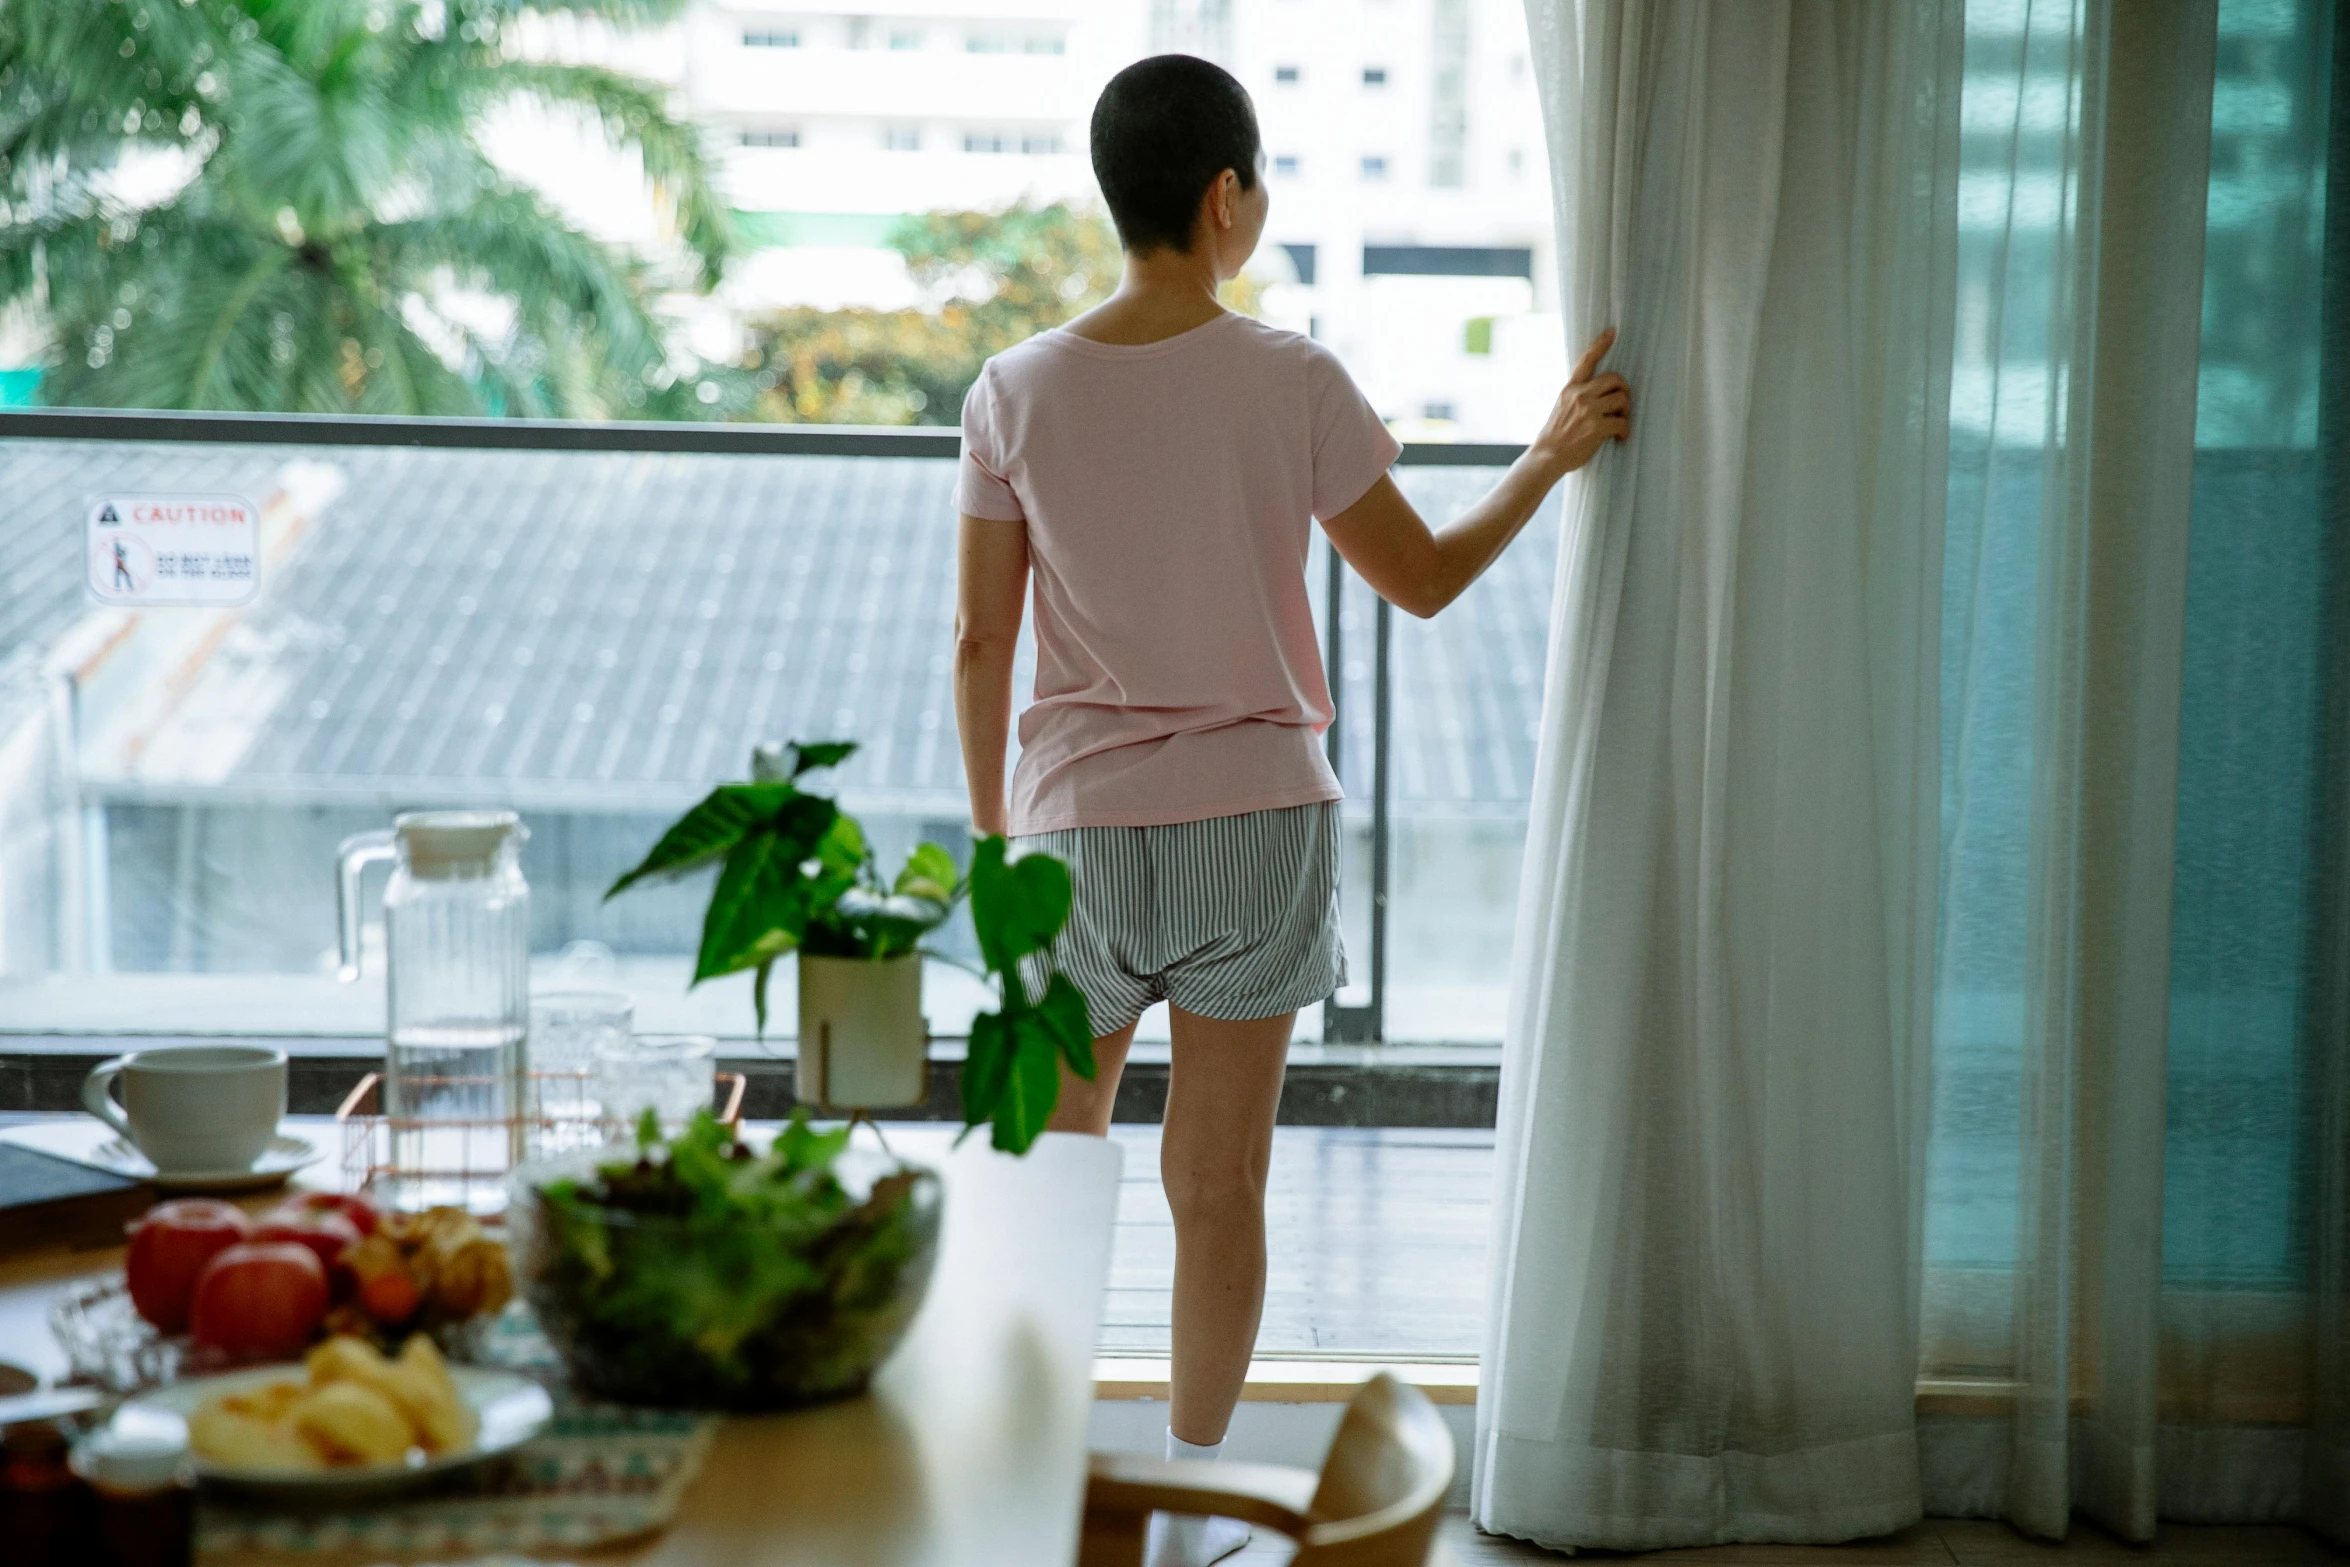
[797, 875]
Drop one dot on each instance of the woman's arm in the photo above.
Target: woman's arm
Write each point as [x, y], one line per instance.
[1420, 571]
[991, 590]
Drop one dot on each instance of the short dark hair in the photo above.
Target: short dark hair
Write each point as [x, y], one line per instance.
[1163, 129]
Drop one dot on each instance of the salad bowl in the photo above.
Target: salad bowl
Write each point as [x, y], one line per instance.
[694, 1273]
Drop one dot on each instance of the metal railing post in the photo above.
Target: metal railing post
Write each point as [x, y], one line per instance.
[1381, 742]
[1363, 1025]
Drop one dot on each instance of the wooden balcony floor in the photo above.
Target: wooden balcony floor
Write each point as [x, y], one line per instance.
[1375, 1241]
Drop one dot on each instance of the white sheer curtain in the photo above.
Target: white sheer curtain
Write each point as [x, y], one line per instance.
[2130, 918]
[2077, 424]
[1706, 1273]
[2134, 1290]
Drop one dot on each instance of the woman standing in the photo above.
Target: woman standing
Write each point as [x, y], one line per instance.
[1153, 465]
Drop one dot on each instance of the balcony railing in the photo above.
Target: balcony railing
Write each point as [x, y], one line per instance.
[1366, 1022]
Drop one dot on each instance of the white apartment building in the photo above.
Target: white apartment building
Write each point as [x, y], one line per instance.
[1411, 198]
[1411, 212]
[1411, 224]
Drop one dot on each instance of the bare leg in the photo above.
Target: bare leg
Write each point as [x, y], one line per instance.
[1221, 1098]
[1084, 1106]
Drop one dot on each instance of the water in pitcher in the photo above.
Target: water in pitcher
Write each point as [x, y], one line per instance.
[457, 1095]
[457, 949]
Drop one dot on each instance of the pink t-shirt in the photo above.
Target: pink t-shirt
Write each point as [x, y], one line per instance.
[1169, 491]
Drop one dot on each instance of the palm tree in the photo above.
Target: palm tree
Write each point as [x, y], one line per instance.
[341, 242]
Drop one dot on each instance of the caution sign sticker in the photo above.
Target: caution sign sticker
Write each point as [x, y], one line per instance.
[155, 550]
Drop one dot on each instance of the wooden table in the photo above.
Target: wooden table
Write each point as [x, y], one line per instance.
[971, 1447]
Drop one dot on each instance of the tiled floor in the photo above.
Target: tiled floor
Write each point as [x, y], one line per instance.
[1375, 1240]
[1938, 1542]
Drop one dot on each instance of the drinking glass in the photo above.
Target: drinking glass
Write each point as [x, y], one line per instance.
[567, 1029]
[673, 1075]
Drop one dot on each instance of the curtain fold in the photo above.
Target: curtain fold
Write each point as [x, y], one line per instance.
[2136, 1207]
[2326, 1475]
[1705, 1299]
[2096, 983]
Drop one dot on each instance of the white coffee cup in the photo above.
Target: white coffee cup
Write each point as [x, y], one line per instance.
[199, 1109]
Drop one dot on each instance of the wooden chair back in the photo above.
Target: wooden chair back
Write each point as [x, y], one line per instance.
[1375, 1503]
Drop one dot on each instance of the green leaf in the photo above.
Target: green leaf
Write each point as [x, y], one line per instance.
[805, 821]
[841, 850]
[808, 756]
[987, 1065]
[1031, 1088]
[929, 872]
[759, 995]
[800, 1148]
[1017, 906]
[1065, 1016]
[753, 912]
[863, 923]
[707, 831]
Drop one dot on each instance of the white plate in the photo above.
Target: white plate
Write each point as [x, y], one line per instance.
[86, 1140]
[508, 1410]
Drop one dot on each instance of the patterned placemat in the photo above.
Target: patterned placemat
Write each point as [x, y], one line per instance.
[599, 1473]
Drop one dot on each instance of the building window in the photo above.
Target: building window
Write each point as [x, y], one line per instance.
[905, 38]
[1443, 411]
[987, 43]
[1285, 164]
[1374, 76]
[902, 138]
[1374, 168]
[986, 141]
[1286, 75]
[1041, 144]
[1047, 43]
[783, 138]
[772, 38]
[1449, 261]
[1448, 96]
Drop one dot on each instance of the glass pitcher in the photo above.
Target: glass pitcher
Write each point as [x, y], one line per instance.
[457, 998]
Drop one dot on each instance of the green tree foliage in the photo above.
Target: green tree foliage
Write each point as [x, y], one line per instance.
[1000, 276]
[327, 200]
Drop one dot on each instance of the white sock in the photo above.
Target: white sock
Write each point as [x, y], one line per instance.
[1185, 1540]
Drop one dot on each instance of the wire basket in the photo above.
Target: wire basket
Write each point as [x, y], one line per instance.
[427, 1161]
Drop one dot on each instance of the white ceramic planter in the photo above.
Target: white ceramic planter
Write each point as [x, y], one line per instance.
[863, 1044]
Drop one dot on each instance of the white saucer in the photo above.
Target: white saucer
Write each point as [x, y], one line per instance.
[91, 1142]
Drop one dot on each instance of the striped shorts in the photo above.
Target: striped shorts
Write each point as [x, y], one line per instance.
[1235, 917]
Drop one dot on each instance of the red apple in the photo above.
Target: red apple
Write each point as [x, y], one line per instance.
[358, 1210]
[170, 1245]
[324, 1230]
[261, 1299]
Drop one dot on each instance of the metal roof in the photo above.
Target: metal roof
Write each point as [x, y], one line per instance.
[616, 629]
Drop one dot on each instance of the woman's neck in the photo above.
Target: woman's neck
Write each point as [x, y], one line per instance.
[1163, 294]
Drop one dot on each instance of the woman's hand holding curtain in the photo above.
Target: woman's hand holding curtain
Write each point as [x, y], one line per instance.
[1420, 570]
